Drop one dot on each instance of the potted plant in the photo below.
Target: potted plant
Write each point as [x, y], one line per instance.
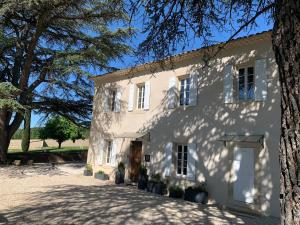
[197, 193]
[120, 173]
[175, 191]
[156, 185]
[151, 183]
[143, 178]
[88, 171]
[101, 175]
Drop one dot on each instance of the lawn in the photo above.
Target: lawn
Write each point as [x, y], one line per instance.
[51, 149]
[49, 154]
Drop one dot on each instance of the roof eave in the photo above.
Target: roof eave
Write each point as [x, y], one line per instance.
[181, 56]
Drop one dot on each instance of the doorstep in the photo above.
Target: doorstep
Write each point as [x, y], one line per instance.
[130, 183]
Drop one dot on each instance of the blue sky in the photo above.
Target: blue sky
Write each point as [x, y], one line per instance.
[128, 60]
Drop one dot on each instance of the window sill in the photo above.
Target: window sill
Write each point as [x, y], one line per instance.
[183, 106]
[186, 107]
[111, 112]
[184, 177]
[109, 165]
[140, 111]
[244, 102]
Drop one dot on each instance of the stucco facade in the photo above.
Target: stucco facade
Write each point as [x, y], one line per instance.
[216, 114]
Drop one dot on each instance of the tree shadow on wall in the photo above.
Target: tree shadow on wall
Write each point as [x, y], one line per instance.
[207, 122]
[102, 121]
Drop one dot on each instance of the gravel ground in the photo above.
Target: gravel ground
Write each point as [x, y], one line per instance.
[43, 194]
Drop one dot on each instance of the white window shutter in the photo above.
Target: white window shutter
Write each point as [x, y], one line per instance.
[101, 146]
[147, 95]
[131, 97]
[228, 84]
[168, 159]
[192, 157]
[193, 89]
[260, 81]
[113, 156]
[118, 101]
[172, 93]
[105, 100]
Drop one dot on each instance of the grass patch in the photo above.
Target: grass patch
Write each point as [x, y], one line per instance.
[51, 149]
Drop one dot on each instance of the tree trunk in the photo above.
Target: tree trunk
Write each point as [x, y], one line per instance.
[286, 45]
[59, 144]
[26, 131]
[4, 136]
[7, 130]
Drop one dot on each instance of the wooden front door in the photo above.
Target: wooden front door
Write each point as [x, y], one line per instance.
[135, 159]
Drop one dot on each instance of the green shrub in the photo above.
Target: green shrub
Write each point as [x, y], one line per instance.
[156, 177]
[100, 172]
[175, 191]
[121, 167]
[202, 187]
[89, 167]
[143, 170]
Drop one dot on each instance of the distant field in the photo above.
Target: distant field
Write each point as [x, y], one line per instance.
[38, 145]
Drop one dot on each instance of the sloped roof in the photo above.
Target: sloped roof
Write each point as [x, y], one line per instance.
[180, 56]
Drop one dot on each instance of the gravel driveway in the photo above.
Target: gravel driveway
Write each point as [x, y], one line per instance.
[43, 194]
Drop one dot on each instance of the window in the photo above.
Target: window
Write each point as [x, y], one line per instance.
[141, 96]
[182, 159]
[113, 100]
[108, 152]
[185, 91]
[246, 83]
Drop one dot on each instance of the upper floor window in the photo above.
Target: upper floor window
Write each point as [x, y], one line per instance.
[246, 83]
[141, 96]
[113, 95]
[182, 151]
[108, 151]
[184, 91]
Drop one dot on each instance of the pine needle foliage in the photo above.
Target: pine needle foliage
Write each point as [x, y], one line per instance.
[49, 47]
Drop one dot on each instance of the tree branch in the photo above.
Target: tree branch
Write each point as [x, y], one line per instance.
[13, 127]
[42, 76]
[267, 8]
[30, 54]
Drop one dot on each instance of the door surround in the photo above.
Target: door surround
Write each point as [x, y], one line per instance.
[254, 207]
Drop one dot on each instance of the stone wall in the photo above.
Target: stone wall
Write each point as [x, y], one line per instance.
[38, 143]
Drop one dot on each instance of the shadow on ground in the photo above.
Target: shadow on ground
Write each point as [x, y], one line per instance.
[42, 169]
[110, 204]
[30, 171]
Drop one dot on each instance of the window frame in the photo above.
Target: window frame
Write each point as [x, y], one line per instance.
[185, 90]
[246, 84]
[182, 160]
[109, 145]
[140, 100]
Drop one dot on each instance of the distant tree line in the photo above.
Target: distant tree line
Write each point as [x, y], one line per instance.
[35, 133]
